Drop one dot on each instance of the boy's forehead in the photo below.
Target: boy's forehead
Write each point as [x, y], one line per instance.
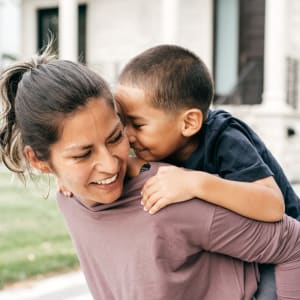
[129, 90]
[131, 96]
[135, 104]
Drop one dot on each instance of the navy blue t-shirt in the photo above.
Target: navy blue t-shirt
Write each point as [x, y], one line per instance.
[230, 148]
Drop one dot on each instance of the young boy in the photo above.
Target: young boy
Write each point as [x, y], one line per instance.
[165, 93]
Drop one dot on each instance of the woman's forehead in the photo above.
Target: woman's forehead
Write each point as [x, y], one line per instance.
[96, 119]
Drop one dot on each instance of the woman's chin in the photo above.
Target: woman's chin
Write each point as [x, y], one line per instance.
[107, 196]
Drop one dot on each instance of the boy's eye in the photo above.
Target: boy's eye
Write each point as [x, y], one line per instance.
[118, 137]
[83, 155]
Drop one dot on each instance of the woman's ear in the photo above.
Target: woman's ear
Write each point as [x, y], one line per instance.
[37, 164]
[192, 122]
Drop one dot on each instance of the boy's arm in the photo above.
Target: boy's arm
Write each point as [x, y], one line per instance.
[245, 184]
[260, 200]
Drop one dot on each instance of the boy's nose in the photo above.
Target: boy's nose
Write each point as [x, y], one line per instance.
[131, 139]
[130, 134]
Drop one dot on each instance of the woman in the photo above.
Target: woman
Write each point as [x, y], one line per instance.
[60, 118]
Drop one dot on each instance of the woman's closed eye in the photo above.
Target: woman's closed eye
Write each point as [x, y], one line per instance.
[83, 155]
[117, 138]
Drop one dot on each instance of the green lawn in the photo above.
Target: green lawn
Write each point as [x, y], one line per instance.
[33, 237]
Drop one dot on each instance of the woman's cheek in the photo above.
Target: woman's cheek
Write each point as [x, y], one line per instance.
[76, 177]
[126, 147]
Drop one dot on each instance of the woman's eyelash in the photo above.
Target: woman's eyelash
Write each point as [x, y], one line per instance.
[84, 155]
[117, 138]
[112, 141]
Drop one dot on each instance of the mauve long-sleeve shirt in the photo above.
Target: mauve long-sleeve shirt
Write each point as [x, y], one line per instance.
[184, 252]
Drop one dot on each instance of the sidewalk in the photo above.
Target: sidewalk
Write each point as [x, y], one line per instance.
[70, 286]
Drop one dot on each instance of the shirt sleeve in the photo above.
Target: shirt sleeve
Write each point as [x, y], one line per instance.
[277, 243]
[238, 157]
[254, 241]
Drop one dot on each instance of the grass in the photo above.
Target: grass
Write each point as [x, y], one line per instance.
[33, 237]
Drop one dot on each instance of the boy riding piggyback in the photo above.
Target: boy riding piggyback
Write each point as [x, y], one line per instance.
[166, 93]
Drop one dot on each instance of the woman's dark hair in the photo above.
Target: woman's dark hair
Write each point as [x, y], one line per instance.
[35, 98]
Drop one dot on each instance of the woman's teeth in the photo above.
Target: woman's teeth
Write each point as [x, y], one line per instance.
[108, 180]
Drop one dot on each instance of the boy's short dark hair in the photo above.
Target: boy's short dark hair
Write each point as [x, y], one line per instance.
[172, 77]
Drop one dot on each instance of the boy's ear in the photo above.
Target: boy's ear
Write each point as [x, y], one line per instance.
[37, 164]
[192, 122]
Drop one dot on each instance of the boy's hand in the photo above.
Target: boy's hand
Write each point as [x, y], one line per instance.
[169, 185]
[63, 190]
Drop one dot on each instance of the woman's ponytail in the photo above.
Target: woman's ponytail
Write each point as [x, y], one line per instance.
[11, 139]
[35, 98]
[11, 149]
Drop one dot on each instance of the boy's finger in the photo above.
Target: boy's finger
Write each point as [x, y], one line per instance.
[148, 191]
[157, 206]
[150, 201]
[68, 194]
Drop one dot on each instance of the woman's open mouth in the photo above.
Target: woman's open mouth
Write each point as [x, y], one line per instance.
[106, 181]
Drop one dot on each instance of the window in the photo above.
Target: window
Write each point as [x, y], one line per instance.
[48, 24]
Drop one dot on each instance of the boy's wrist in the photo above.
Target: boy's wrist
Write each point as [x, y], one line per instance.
[195, 184]
[201, 184]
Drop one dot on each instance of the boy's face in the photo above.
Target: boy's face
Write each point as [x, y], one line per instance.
[153, 133]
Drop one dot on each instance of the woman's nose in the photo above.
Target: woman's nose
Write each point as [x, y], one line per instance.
[107, 162]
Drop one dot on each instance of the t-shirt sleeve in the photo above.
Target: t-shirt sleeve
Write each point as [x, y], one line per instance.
[277, 243]
[253, 241]
[238, 158]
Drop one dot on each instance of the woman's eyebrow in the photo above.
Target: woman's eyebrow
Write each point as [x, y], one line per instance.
[86, 147]
[78, 147]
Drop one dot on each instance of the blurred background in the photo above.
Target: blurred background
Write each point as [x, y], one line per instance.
[252, 48]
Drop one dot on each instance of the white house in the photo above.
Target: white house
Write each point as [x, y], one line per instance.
[9, 31]
[252, 47]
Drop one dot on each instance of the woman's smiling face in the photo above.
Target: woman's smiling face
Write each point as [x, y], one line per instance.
[90, 157]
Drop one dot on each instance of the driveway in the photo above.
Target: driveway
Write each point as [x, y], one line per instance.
[70, 286]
